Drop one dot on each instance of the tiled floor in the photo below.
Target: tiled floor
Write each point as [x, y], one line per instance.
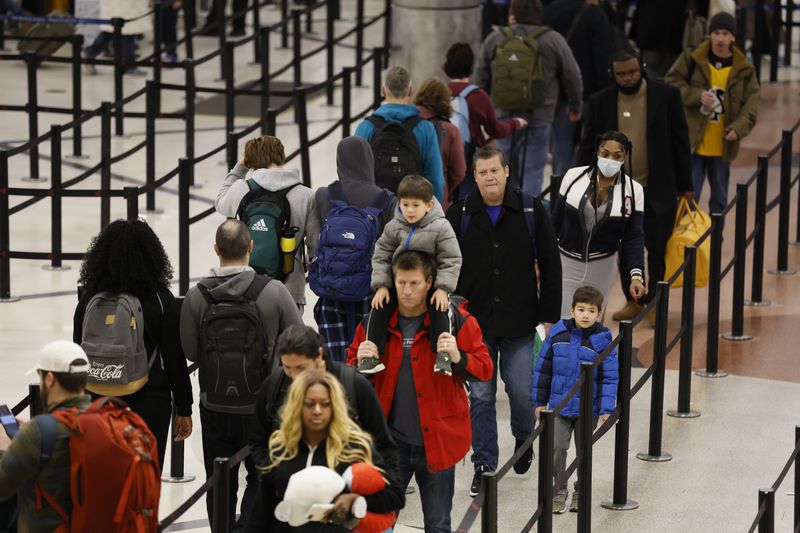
[739, 444]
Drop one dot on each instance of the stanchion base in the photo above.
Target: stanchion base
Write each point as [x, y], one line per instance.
[40, 179]
[732, 337]
[663, 458]
[56, 268]
[677, 414]
[155, 211]
[186, 478]
[73, 156]
[703, 373]
[760, 303]
[787, 272]
[629, 505]
[9, 300]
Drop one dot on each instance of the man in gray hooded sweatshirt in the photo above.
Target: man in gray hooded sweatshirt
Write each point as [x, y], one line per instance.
[337, 320]
[225, 430]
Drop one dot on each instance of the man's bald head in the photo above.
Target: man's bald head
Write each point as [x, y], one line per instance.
[232, 241]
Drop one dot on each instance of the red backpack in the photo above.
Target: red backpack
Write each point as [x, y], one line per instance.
[115, 479]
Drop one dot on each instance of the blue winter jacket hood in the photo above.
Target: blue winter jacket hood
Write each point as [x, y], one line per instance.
[559, 367]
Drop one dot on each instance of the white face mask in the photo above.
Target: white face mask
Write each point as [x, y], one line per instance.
[608, 167]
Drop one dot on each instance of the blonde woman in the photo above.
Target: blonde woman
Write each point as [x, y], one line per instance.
[316, 430]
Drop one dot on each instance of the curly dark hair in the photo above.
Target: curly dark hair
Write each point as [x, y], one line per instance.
[126, 256]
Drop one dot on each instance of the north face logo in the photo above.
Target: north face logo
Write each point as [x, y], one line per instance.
[513, 57]
[349, 235]
[259, 226]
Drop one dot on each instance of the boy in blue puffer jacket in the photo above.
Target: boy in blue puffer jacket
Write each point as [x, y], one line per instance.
[569, 343]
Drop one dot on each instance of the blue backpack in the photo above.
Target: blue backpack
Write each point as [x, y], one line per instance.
[342, 270]
[460, 116]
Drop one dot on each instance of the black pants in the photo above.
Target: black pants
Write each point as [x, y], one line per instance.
[379, 322]
[223, 435]
[238, 5]
[656, 234]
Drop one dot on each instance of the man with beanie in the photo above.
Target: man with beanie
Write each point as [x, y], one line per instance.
[337, 319]
[720, 93]
[63, 368]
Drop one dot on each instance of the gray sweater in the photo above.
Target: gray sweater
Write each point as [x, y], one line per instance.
[301, 204]
[559, 70]
[276, 306]
[433, 235]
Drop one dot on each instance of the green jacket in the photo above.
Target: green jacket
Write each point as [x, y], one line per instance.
[741, 93]
[20, 464]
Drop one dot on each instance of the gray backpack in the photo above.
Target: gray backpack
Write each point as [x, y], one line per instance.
[113, 339]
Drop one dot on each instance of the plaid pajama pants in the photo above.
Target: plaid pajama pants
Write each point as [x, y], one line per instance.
[337, 322]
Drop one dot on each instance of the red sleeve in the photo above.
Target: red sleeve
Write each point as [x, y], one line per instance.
[457, 164]
[479, 365]
[482, 114]
[352, 350]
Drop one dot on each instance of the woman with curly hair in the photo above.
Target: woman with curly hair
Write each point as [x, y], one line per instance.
[127, 258]
[316, 430]
[433, 102]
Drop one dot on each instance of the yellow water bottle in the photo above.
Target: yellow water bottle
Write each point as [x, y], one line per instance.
[288, 247]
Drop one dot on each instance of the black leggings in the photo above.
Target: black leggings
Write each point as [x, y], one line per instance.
[378, 323]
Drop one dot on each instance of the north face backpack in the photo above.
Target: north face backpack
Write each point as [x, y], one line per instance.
[460, 116]
[395, 150]
[266, 213]
[233, 350]
[115, 478]
[342, 269]
[113, 339]
[517, 82]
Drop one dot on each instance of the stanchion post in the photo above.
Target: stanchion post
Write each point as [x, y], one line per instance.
[269, 122]
[185, 169]
[131, 202]
[150, 147]
[387, 29]
[757, 281]
[77, 98]
[256, 30]
[32, 64]
[302, 125]
[158, 33]
[297, 74]
[329, 50]
[347, 93]
[774, 40]
[5, 237]
[737, 320]
[783, 206]
[188, 65]
[545, 492]
[189, 23]
[176, 459]
[265, 77]
[767, 522]
[35, 394]
[584, 451]
[105, 164]
[231, 148]
[221, 522]
[337, 9]
[489, 509]
[787, 33]
[687, 338]
[119, 70]
[359, 41]
[220, 15]
[2, 34]
[654, 452]
[620, 501]
[310, 17]
[56, 237]
[714, 270]
[285, 24]
[230, 89]
[377, 67]
[796, 481]
[758, 38]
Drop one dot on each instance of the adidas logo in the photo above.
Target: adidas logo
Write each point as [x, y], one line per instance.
[349, 235]
[513, 57]
[259, 226]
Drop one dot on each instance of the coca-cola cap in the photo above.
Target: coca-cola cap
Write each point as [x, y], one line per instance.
[62, 356]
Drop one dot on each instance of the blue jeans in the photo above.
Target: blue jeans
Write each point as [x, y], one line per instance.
[526, 153]
[719, 172]
[516, 369]
[435, 488]
[563, 149]
[105, 38]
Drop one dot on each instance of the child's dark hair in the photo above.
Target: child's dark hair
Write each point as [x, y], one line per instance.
[416, 187]
[587, 295]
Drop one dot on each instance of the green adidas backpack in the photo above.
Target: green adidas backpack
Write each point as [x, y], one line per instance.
[517, 83]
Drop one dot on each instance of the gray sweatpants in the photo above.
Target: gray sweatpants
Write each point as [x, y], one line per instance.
[563, 428]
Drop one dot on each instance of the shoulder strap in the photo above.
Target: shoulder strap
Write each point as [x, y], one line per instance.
[48, 430]
[410, 123]
[466, 91]
[256, 286]
[377, 122]
[507, 32]
[380, 203]
[252, 185]
[576, 21]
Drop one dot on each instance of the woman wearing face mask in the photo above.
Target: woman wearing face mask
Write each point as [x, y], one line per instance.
[600, 212]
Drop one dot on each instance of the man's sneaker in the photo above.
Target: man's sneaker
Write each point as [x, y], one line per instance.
[135, 72]
[443, 365]
[573, 504]
[560, 502]
[170, 58]
[370, 365]
[523, 464]
[630, 310]
[475, 488]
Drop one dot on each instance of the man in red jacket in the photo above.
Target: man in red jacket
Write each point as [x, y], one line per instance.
[427, 413]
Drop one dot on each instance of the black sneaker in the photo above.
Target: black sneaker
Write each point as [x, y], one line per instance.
[370, 365]
[443, 365]
[475, 488]
[523, 464]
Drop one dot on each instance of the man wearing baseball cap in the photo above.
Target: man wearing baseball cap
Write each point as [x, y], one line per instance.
[720, 90]
[62, 367]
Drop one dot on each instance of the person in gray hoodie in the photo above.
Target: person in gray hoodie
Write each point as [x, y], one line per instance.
[337, 320]
[264, 156]
[225, 433]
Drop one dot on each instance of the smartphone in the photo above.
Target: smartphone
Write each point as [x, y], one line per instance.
[8, 420]
[318, 511]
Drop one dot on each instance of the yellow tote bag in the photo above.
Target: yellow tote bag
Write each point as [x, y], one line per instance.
[690, 225]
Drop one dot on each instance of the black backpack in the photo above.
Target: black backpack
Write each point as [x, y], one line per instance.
[233, 351]
[396, 152]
